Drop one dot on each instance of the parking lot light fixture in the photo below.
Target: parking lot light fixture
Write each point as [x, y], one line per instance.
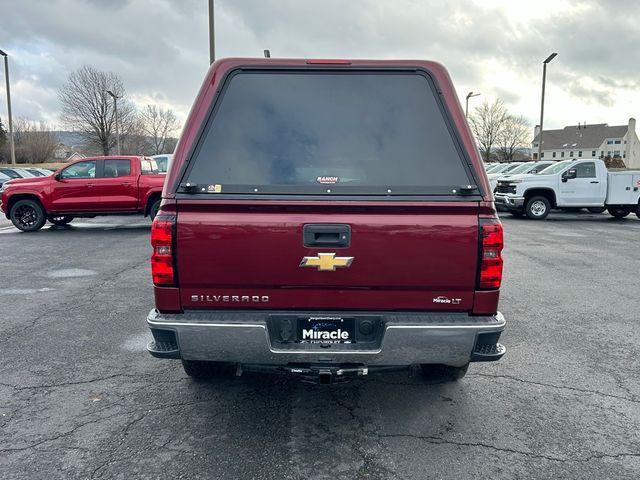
[115, 112]
[466, 106]
[544, 79]
[6, 77]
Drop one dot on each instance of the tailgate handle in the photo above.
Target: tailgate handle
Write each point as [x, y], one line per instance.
[323, 235]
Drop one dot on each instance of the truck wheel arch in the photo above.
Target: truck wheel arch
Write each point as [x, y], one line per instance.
[24, 196]
[151, 199]
[27, 214]
[543, 192]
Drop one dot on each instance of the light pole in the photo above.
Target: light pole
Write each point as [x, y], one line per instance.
[466, 107]
[115, 111]
[6, 77]
[544, 80]
[212, 37]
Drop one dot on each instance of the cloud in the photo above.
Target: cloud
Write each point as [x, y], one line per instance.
[160, 47]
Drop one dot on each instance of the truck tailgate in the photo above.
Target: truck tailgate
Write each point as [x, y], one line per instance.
[418, 257]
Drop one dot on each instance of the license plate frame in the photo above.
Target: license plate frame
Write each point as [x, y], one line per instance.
[326, 330]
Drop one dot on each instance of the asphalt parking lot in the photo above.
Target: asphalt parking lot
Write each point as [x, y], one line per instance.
[81, 398]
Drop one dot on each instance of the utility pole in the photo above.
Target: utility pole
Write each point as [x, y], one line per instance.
[544, 80]
[115, 112]
[212, 36]
[12, 148]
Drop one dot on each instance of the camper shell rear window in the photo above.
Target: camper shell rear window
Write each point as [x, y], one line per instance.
[312, 132]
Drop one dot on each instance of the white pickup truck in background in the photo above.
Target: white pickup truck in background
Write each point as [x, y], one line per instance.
[571, 184]
[516, 168]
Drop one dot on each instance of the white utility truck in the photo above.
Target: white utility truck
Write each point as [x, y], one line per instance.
[571, 184]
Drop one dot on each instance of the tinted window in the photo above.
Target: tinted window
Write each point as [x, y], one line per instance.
[539, 167]
[80, 170]
[586, 170]
[555, 168]
[524, 168]
[511, 167]
[309, 133]
[10, 173]
[117, 168]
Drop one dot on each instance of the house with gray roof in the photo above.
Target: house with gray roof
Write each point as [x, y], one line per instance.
[590, 141]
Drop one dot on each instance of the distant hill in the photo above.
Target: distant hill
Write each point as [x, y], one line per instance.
[70, 139]
[74, 141]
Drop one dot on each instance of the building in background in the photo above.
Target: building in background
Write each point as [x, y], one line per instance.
[60, 152]
[73, 156]
[590, 141]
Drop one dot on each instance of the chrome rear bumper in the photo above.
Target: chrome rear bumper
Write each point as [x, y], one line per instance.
[243, 337]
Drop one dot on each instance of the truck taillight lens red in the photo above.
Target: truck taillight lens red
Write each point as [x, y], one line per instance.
[492, 242]
[162, 241]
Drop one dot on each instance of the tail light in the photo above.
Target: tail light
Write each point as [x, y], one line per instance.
[491, 244]
[163, 243]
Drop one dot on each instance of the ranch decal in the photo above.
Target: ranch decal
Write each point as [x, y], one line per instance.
[328, 180]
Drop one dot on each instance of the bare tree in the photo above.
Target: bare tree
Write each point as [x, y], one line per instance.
[487, 122]
[170, 145]
[514, 137]
[133, 137]
[88, 109]
[159, 124]
[34, 141]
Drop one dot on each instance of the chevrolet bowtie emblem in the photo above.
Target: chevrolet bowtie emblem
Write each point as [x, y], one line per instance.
[326, 262]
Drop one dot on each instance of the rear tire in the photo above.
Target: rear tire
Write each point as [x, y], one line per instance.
[619, 212]
[60, 219]
[443, 373]
[537, 208]
[596, 209]
[153, 210]
[200, 370]
[27, 215]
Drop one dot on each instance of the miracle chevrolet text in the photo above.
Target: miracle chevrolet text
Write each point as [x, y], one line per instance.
[326, 218]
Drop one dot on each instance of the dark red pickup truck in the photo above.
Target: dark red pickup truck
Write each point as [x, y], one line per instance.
[326, 218]
[85, 188]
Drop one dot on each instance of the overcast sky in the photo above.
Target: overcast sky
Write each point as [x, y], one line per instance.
[495, 47]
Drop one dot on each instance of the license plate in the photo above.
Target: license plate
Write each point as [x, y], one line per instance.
[326, 330]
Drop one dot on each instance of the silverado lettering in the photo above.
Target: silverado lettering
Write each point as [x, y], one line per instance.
[230, 298]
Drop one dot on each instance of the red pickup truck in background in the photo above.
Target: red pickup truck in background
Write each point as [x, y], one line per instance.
[85, 188]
